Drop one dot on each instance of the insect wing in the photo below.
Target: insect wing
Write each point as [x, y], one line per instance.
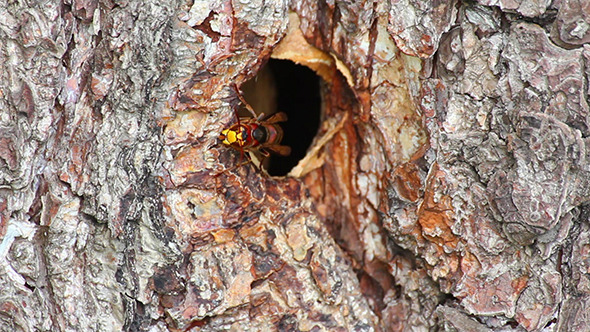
[276, 117]
[282, 150]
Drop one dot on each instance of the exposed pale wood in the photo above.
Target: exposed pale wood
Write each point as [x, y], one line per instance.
[447, 186]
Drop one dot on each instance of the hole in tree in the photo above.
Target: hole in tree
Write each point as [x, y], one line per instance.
[283, 86]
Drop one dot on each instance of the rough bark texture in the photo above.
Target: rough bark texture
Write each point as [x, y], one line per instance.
[447, 186]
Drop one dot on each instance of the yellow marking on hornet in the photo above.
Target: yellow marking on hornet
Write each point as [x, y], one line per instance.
[224, 135]
[230, 137]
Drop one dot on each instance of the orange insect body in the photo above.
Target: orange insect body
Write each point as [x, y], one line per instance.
[257, 134]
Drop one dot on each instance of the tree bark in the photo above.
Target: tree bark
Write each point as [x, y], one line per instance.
[447, 186]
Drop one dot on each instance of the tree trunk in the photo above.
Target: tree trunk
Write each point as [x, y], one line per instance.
[447, 186]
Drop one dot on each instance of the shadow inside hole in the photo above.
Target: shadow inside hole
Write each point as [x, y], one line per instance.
[283, 86]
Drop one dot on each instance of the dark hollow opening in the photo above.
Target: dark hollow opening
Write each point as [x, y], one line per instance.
[284, 86]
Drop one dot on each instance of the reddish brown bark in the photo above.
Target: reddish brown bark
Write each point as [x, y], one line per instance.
[446, 186]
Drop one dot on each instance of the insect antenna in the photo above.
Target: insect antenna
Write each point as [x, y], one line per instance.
[244, 102]
[235, 107]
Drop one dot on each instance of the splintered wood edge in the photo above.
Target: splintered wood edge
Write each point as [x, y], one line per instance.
[313, 159]
[294, 47]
